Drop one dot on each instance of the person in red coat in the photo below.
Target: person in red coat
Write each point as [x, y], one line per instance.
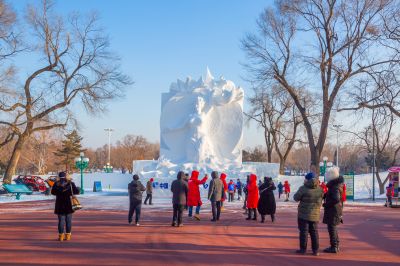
[252, 197]
[286, 187]
[194, 199]
[344, 195]
[223, 179]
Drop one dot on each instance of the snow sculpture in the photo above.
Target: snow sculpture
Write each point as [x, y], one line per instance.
[201, 122]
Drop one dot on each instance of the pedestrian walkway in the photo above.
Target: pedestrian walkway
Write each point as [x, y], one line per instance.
[370, 236]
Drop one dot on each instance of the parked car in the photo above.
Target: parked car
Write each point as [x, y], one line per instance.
[34, 183]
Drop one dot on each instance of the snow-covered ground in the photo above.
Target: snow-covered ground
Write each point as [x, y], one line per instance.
[114, 195]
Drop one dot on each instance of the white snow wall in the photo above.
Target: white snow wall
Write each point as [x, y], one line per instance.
[201, 122]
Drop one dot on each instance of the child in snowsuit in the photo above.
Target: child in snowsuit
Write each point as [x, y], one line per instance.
[223, 179]
[231, 190]
[239, 187]
[280, 189]
[286, 186]
[389, 195]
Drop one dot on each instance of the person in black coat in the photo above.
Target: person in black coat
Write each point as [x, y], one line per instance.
[266, 203]
[63, 189]
[333, 207]
[135, 189]
[179, 189]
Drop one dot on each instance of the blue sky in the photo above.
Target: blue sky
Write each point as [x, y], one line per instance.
[160, 41]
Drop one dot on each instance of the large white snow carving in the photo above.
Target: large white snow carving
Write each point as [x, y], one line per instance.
[201, 122]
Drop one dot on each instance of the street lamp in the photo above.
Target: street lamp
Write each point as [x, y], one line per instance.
[109, 131]
[81, 163]
[337, 127]
[108, 168]
[323, 165]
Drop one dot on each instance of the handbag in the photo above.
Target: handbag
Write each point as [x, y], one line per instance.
[76, 205]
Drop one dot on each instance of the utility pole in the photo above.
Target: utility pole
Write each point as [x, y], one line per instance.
[109, 130]
[337, 127]
[373, 155]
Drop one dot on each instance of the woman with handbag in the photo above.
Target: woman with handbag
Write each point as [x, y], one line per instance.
[64, 190]
[266, 203]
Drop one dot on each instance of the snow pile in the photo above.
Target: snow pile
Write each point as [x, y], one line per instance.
[201, 122]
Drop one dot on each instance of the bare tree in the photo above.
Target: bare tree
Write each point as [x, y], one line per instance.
[76, 65]
[381, 143]
[259, 113]
[275, 112]
[319, 46]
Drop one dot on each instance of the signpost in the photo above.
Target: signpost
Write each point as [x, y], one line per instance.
[97, 186]
[349, 181]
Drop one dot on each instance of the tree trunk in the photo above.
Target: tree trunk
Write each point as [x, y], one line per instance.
[282, 166]
[381, 184]
[12, 164]
[268, 143]
[315, 158]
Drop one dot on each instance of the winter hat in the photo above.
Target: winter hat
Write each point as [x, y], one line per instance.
[223, 176]
[195, 174]
[135, 177]
[332, 173]
[62, 174]
[310, 176]
[151, 179]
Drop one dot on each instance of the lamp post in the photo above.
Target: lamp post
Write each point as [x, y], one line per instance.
[109, 131]
[337, 127]
[325, 159]
[81, 163]
[108, 168]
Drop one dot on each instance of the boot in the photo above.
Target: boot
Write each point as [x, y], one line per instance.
[273, 218]
[197, 217]
[68, 236]
[331, 250]
[262, 218]
[61, 237]
[255, 215]
[301, 251]
[248, 215]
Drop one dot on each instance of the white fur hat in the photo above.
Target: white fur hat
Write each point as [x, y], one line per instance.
[332, 173]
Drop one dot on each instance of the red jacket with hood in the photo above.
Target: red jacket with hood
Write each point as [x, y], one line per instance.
[223, 179]
[286, 186]
[252, 198]
[194, 198]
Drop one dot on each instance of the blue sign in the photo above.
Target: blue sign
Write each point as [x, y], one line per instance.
[205, 186]
[97, 186]
[155, 184]
[164, 185]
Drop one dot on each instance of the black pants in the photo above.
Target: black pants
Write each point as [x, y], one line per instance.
[149, 197]
[272, 217]
[333, 236]
[178, 213]
[231, 196]
[64, 221]
[135, 207]
[389, 201]
[254, 212]
[306, 227]
[239, 194]
[216, 209]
